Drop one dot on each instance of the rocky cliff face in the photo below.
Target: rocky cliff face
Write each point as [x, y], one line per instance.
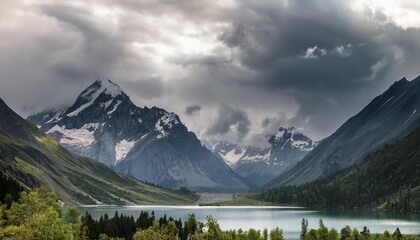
[150, 144]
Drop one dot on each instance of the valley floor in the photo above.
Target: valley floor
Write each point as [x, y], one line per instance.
[206, 198]
[231, 199]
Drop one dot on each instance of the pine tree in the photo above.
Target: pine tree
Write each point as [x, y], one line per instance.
[304, 229]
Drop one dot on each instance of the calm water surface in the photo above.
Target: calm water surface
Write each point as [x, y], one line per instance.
[287, 218]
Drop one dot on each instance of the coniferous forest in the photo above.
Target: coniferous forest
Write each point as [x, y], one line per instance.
[10, 189]
[39, 215]
[388, 179]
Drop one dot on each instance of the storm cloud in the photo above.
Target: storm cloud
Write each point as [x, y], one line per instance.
[192, 110]
[230, 121]
[308, 64]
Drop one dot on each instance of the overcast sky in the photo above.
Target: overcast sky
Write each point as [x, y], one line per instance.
[231, 69]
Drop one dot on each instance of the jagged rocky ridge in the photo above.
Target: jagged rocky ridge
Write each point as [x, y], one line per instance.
[389, 117]
[261, 165]
[150, 144]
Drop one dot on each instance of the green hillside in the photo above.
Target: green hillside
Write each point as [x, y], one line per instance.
[33, 158]
[388, 178]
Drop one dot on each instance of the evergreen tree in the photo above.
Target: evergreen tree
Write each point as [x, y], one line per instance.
[365, 233]
[304, 229]
[322, 232]
[346, 233]
[265, 234]
[276, 234]
[397, 234]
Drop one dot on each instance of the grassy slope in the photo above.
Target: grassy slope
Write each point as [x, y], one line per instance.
[77, 179]
[242, 199]
[378, 179]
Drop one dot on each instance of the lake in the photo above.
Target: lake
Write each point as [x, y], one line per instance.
[286, 218]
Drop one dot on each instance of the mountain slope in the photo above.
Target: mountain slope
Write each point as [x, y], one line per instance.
[36, 159]
[261, 165]
[389, 117]
[150, 144]
[388, 178]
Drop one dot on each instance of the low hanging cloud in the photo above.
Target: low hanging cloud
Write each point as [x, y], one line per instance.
[192, 110]
[148, 88]
[230, 121]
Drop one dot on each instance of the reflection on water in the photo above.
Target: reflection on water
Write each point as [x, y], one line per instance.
[287, 218]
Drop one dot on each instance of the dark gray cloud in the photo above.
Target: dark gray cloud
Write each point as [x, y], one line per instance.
[308, 64]
[230, 120]
[192, 110]
[149, 88]
[324, 62]
[274, 49]
[273, 122]
[266, 122]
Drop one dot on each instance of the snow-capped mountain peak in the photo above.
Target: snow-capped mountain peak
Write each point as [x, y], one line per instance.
[101, 86]
[90, 95]
[287, 147]
[291, 138]
[282, 132]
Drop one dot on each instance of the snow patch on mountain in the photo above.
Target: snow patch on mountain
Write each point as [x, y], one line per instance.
[386, 102]
[302, 145]
[83, 136]
[279, 134]
[258, 157]
[122, 148]
[166, 122]
[169, 119]
[232, 156]
[55, 118]
[115, 108]
[84, 106]
[107, 104]
[414, 112]
[290, 137]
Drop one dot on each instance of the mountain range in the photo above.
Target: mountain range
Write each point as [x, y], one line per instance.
[261, 165]
[32, 158]
[389, 117]
[151, 144]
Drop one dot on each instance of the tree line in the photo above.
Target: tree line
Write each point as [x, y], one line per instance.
[148, 227]
[38, 215]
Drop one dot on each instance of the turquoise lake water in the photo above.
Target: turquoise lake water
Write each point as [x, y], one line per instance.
[286, 218]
